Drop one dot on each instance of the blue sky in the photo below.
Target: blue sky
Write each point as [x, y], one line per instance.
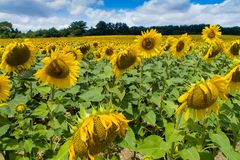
[131, 4]
[44, 14]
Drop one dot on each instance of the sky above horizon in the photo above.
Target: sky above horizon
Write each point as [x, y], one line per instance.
[35, 14]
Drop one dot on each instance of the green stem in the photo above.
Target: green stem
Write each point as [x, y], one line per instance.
[140, 88]
[52, 92]
[31, 89]
[173, 143]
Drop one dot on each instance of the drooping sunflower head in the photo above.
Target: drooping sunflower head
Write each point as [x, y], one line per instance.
[108, 51]
[181, 46]
[233, 77]
[18, 57]
[213, 51]
[5, 87]
[96, 132]
[60, 70]
[124, 60]
[233, 51]
[84, 48]
[149, 43]
[75, 53]
[211, 34]
[201, 99]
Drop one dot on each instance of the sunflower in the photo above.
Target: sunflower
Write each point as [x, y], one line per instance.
[211, 34]
[60, 70]
[149, 43]
[98, 55]
[233, 51]
[76, 53]
[233, 77]
[84, 48]
[18, 57]
[4, 88]
[181, 46]
[51, 48]
[201, 99]
[168, 43]
[213, 51]
[124, 60]
[96, 132]
[108, 51]
[95, 44]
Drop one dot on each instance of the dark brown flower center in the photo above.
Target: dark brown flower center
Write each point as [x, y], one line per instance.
[236, 76]
[98, 55]
[109, 51]
[180, 46]
[198, 99]
[211, 34]
[18, 56]
[148, 43]
[57, 69]
[234, 49]
[125, 61]
[84, 49]
[215, 51]
[167, 47]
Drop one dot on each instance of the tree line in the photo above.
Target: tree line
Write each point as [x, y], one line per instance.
[79, 28]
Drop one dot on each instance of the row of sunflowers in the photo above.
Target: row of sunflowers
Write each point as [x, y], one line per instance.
[119, 91]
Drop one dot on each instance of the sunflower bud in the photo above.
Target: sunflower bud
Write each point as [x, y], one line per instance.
[20, 108]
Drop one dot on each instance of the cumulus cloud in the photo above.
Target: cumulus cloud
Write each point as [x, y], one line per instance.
[36, 14]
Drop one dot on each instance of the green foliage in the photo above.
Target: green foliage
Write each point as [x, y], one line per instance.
[147, 96]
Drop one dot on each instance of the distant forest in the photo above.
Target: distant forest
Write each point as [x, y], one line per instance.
[79, 28]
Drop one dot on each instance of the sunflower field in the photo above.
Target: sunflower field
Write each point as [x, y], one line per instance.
[121, 97]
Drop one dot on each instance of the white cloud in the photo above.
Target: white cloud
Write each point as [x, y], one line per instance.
[36, 14]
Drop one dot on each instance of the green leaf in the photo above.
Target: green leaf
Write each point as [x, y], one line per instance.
[170, 107]
[129, 141]
[4, 129]
[28, 145]
[43, 89]
[172, 134]
[156, 98]
[154, 146]
[150, 118]
[222, 140]
[94, 95]
[63, 151]
[41, 110]
[190, 154]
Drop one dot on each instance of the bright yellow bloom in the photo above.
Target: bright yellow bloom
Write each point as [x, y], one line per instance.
[125, 60]
[181, 46]
[149, 43]
[98, 54]
[76, 53]
[233, 77]
[95, 133]
[201, 99]
[168, 43]
[18, 57]
[5, 87]
[211, 34]
[60, 70]
[108, 51]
